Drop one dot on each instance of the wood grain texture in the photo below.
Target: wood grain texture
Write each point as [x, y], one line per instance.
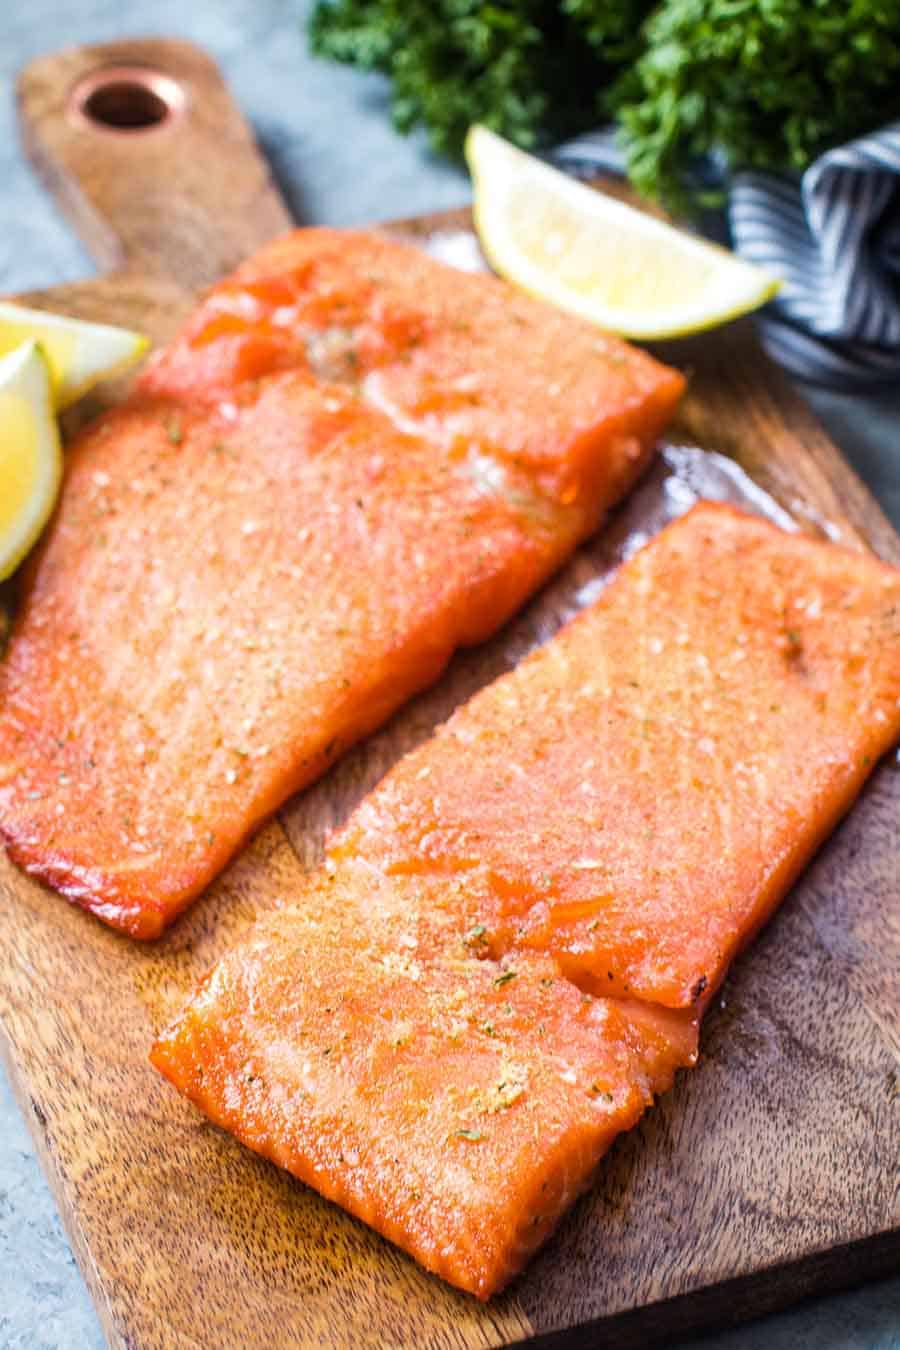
[186, 198]
[770, 1170]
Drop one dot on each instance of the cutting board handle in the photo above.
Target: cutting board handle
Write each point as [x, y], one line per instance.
[142, 145]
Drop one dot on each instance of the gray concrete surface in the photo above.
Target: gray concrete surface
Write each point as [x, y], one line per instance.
[328, 136]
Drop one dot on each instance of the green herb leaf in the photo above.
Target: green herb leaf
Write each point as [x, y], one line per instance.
[532, 70]
[762, 85]
[174, 429]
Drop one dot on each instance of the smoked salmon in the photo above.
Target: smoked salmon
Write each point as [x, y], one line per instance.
[456, 1104]
[703, 728]
[511, 942]
[352, 461]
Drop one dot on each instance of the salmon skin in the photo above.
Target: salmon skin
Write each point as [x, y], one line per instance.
[322, 488]
[508, 950]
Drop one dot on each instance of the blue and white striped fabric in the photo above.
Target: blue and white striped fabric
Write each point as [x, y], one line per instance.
[833, 236]
[595, 152]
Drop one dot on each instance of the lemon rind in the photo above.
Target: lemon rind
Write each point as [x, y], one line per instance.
[495, 165]
[114, 349]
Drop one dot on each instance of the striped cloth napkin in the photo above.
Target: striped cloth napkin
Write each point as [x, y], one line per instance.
[832, 235]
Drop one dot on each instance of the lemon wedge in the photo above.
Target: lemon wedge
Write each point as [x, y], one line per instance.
[30, 453]
[78, 353]
[596, 257]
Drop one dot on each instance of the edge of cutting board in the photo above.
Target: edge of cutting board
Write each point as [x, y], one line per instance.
[65, 1071]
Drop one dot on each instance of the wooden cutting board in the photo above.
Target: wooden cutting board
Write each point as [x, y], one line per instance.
[767, 1173]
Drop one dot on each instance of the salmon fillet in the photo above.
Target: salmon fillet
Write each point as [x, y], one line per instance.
[507, 952]
[255, 560]
[702, 727]
[457, 1105]
[458, 358]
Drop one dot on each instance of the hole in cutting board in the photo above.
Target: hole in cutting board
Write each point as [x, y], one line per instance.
[126, 100]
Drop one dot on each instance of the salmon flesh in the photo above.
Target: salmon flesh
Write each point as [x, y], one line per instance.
[507, 952]
[352, 461]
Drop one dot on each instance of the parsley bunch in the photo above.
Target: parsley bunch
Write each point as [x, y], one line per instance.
[762, 83]
[532, 70]
[765, 84]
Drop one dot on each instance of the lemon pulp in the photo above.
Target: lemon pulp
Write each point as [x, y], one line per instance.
[30, 453]
[78, 354]
[597, 257]
[18, 457]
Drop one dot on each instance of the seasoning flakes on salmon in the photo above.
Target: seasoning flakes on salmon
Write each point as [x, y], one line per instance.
[457, 1105]
[255, 561]
[638, 795]
[461, 359]
[507, 952]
